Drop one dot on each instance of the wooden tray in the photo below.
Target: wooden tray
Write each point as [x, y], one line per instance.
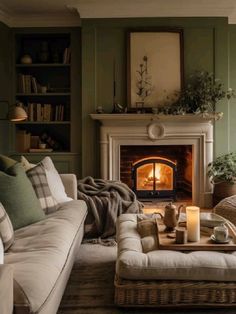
[205, 244]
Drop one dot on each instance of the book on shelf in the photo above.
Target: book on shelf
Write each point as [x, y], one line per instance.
[59, 113]
[67, 55]
[34, 84]
[30, 111]
[47, 111]
[38, 112]
[27, 84]
[21, 83]
[39, 116]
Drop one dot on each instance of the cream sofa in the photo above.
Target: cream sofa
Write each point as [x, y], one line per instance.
[39, 262]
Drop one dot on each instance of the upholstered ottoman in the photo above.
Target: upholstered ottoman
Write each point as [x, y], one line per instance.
[170, 278]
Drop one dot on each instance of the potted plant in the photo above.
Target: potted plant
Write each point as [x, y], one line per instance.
[200, 96]
[222, 173]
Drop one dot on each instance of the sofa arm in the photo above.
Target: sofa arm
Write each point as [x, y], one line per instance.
[69, 181]
[6, 289]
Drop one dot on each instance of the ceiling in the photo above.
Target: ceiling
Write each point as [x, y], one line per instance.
[25, 13]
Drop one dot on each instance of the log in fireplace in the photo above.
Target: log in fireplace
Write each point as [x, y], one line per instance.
[154, 178]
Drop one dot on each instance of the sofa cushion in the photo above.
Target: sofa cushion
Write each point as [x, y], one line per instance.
[17, 194]
[53, 178]
[6, 229]
[6, 162]
[40, 252]
[37, 176]
[54, 181]
[1, 252]
[26, 164]
[133, 263]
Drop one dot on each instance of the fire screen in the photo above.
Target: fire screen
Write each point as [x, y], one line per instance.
[154, 177]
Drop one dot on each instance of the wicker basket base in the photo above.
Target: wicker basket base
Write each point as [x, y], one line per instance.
[174, 293]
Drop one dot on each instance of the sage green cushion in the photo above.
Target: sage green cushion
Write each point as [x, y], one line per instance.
[6, 162]
[17, 194]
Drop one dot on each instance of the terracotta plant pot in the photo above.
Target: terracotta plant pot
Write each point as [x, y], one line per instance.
[223, 190]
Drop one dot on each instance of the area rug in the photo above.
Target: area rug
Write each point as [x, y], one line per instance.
[90, 288]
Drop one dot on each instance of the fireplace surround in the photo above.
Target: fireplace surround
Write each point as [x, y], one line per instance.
[152, 130]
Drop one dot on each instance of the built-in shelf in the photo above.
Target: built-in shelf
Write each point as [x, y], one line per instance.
[43, 94]
[32, 65]
[42, 122]
[50, 93]
[42, 153]
[46, 153]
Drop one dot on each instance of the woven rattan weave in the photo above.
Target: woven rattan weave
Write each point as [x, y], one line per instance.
[174, 293]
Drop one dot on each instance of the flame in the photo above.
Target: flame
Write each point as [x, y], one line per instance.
[157, 174]
[163, 177]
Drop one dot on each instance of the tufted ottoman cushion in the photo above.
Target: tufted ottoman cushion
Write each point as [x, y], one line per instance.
[132, 263]
[163, 277]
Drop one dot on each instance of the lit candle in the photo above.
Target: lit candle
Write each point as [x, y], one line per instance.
[193, 223]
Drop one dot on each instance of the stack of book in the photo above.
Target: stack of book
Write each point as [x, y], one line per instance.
[27, 84]
[45, 112]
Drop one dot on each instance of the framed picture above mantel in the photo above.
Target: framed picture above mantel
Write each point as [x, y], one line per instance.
[154, 67]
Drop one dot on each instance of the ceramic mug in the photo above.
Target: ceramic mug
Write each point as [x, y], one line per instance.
[42, 145]
[221, 233]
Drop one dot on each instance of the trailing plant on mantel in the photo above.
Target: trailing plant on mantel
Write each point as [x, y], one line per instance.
[201, 94]
[223, 169]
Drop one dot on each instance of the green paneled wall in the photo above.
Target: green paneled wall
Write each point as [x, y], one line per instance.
[209, 44]
[232, 82]
[5, 86]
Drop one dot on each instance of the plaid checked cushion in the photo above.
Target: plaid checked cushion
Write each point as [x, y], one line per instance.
[6, 229]
[37, 176]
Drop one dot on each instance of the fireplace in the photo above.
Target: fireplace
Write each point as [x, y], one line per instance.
[154, 178]
[194, 131]
[157, 171]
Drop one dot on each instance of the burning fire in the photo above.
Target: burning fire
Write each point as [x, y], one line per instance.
[162, 175]
[157, 174]
[150, 178]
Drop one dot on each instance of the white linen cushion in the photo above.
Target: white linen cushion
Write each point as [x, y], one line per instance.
[54, 180]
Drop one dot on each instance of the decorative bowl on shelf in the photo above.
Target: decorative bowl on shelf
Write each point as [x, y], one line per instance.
[26, 59]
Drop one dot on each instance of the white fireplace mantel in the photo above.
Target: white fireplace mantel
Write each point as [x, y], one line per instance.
[152, 129]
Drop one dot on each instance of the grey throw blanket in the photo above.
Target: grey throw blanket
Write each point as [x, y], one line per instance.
[106, 200]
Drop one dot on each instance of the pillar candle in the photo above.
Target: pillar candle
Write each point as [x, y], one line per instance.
[193, 223]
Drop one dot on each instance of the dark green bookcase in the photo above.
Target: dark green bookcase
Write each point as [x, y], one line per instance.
[54, 115]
